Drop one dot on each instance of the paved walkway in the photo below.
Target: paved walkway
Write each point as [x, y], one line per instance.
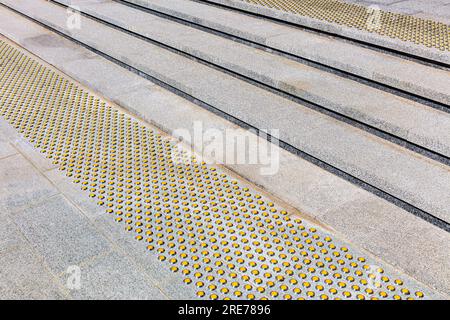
[51, 246]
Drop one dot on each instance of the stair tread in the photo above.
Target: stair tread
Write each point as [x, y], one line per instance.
[400, 37]
[406, 75]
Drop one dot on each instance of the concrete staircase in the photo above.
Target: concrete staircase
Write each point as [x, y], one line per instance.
[376, 118]
[331, 107]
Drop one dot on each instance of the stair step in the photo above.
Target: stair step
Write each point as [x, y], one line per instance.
[395, 115]
[422, 182]
[405, 34]
[390, 70]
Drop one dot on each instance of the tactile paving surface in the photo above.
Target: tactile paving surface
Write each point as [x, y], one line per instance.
[216, 233]
[429, 33]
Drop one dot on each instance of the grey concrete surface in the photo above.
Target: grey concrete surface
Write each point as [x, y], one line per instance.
[415, 179]
[407, 119]
[6, 149]
[113, 277]
[23, 273]
[172, 283]
[21, 185]
[313, 191]
[353, 33]
[60, 233]
[383, 68]
[10, 235]
[7, 137]
[116, 85]
[24, 276]
[373, 218]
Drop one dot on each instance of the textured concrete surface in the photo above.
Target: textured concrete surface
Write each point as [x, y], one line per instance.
[351, 212]
[353, 33]
[407, 119]
[113, 276]
[60, 233]
[373, 218]
[387, 69]
[6, 149]
[413, 178]
[9, 233]
[21, 184]
[24, 276]
[115, 85]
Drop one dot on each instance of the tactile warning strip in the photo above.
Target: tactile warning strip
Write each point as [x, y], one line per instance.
[219, 235]
[425, 32]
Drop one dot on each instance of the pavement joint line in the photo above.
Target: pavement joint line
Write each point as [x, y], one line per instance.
[86, 261]
[35, 203]
[10, 155]
[340, 173]
[118, 249]
[250, 206]
[63, 290]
